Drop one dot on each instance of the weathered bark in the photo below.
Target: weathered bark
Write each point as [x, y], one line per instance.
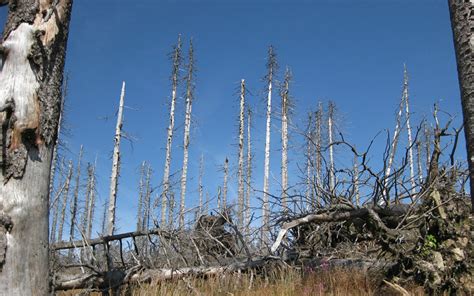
[462, 23]
[319, 161]
[271, 66]
[409, 132]
[224, 187]
[55, 203]
[200, 189]
[65, 195]
[147, 199]
[284, 138]
[91, 188]
[355, 181]
[73, 206]
[332, 172]
[249, 173]
[187, 130]
[165, 194]
[34, 46]
[141, 193]
[240, 191]
[115, 165]
[310, 197]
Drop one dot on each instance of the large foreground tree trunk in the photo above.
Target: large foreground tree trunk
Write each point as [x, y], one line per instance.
[32, 51]
[462, 23]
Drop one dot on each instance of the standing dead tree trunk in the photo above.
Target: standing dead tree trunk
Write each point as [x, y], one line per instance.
[73, 206]
[115, 165]
[65, 196]
[91, 187]
[165, 194]
[249, 173]
[224, 187]
[187, 130]
[284, 138]
[201, 173]
[319, 162]
[410, 139]
[141, 193]
[332, 172]
[271, 66]
[241, 155]
[147, 198]
[462, 25]
[55, 203]
[32, 54]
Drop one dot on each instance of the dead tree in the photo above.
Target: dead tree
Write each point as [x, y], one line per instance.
[200, 186]
[249, 173]
[32, 54]
[75, 197]
[165, 194]
[91, 190]
[309, 137]
[241, 155]
[409, 132]
[147, 198]
[332, 171]
[65, 195]
[463, 27]
[187, 130]
[271, 67]
[285, 102]
[115, 165]
[55, 204]
[141, 193]
[224, 187]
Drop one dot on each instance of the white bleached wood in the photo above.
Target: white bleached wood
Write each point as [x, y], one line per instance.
[241, 155]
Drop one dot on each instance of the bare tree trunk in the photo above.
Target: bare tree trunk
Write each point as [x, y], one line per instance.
[271, 66]
[319, 161]
[241, 155]
[410, 140]
[249, 173]
[427, 140]
[32, 54]
[309, 163]
[355, 181]
[86, 201]
[141, 193]
[332, 172]
[115, 166]
[206, 205]
[393, 150]
[147, 197]
[55, 203]
[91, 198]
[165, 195]
[418, 161]
[64, 202]
[187, 129]
[201, 173]
[224, 187]
[75, 197]
[284, 138]
[462, 24]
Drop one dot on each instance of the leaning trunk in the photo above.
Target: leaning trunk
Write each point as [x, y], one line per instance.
[32, 51]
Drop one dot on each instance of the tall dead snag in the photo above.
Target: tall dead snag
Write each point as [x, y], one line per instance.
[200, 189]
[249, 173]
[355, 180]
[224, 187]
[55, 203]
[241, 155]
[319, 159]
[75, 197]
[165, 195]
[271, 67]
[284, 137]
[32, 54]
[115, 166]
[410, 140]
[462, 25]
[141, 193]
[309, 137]
[187, 129]
[147, 198]
[332, 171]
[65, 195]
[91, 190]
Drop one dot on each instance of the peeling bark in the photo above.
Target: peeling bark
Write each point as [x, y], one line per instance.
[31, 76]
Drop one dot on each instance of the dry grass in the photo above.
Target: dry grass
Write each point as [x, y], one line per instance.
[280, 283]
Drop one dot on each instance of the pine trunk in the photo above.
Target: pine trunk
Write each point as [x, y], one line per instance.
[241, 156]
[32, 53]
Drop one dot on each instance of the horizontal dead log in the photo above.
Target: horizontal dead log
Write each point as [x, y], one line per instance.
[94, 280]
[105, 239]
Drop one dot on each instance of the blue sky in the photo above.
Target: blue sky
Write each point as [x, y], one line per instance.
[350, 53]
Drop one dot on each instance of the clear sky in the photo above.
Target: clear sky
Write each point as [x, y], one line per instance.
[350, 53]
